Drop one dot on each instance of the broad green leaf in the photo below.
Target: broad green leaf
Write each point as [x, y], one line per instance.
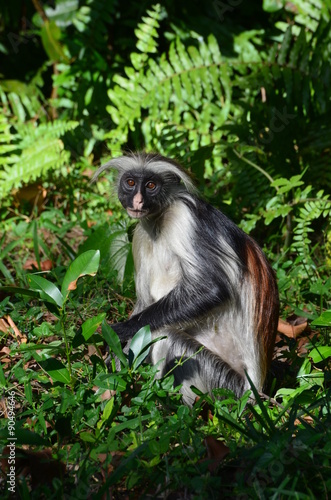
[110, 381]
[48, 291]
[323, 320]
[88, 437]
[50, 36]
[108, 409]
[90, 325]
[86, 263]
[138, 346]
[28, 392]
[272, 5]
[319, 354]
[56, 370]
[114, 342]
[115, 250]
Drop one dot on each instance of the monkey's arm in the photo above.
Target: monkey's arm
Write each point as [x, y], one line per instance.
[183, 304]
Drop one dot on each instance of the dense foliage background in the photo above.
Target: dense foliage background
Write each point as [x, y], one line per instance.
[240, 93]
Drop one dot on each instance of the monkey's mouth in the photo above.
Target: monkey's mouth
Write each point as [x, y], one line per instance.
[136, 214]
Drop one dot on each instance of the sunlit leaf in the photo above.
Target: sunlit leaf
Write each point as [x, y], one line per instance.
[108, 409]
[86, 263]
[50, 36]
[48, 291]
[138, 346]
[90, 325]
[323, 320]
[110, 381]
[115, 250]
[319, 354]
[56, 370]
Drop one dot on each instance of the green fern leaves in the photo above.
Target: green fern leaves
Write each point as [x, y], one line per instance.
[34, 151]
[188, 89]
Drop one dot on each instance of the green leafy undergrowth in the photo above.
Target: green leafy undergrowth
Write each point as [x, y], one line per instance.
[33, 151]
[113, 428]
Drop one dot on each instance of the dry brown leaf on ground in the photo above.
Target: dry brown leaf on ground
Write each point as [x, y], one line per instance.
[5, 356]
[7, 325]
[45, 265]
[292, 330]
[303, 343]
[4, 327]
[108, 394]
[35, 194]
[307, 418]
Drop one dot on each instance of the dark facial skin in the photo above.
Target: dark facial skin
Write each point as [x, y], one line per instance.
[140, 194]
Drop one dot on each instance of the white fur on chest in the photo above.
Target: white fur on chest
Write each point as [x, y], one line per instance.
[164, 272]
[159, 260]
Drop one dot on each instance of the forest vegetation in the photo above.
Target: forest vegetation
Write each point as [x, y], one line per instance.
[239, 92]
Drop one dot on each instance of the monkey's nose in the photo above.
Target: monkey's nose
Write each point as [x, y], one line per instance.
[138, 201]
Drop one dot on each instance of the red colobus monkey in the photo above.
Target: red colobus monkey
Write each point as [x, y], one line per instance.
[200, 281]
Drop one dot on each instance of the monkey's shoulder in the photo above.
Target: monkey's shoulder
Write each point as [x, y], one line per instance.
[176, 226]
[188, 231]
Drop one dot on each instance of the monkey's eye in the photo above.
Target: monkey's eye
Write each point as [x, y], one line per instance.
[130, 182]
[151, 185]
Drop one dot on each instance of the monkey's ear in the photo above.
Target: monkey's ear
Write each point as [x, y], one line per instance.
[120, 163]
[107, 166]
[174, 178]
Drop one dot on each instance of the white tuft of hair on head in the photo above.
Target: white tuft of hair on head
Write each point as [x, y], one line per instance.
[147, 161]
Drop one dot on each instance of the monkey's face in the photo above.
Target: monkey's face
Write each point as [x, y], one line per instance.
[141, 194]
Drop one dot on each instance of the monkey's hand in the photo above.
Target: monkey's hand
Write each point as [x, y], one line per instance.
[123, 331]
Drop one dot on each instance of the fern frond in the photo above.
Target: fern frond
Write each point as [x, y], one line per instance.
[301, 66]
[189, 88]
[307, 14]
[147, 36]
[310, 211]
[7, 140]
[146, 32]
[33, 162]
[23, 99]
[29, 132]
[38, 149]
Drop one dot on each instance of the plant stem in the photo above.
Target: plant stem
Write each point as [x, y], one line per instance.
[67, 346]
[260, 169]
[288, 234]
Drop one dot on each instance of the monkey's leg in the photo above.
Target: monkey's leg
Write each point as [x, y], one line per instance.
[198, 366]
